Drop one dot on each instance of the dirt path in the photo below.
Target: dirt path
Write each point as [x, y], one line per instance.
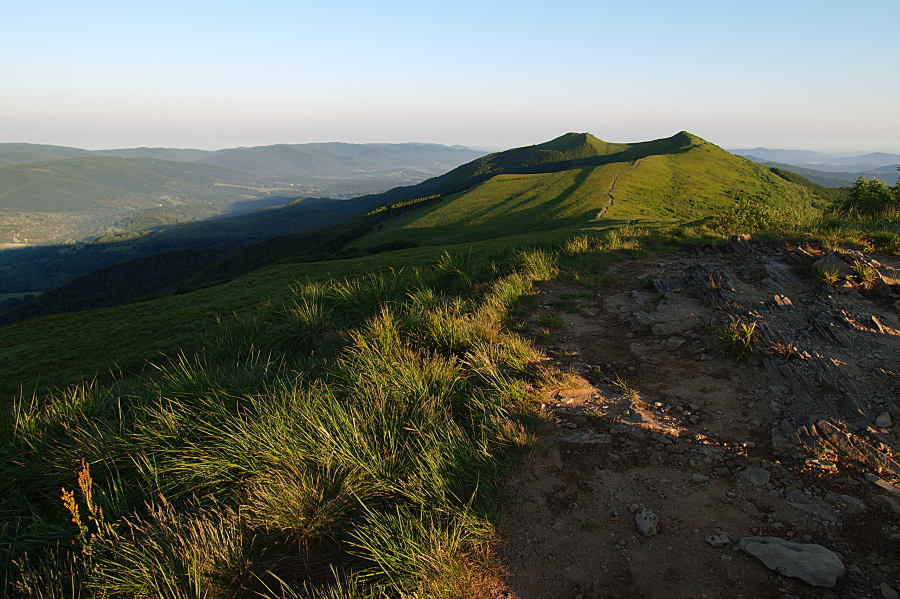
[713, 447]
[612, 186]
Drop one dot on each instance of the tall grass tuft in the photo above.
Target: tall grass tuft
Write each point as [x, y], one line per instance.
[174, 555]
[306, 503]
[425, 554]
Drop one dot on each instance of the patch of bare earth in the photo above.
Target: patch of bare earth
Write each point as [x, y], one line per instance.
[796, 441]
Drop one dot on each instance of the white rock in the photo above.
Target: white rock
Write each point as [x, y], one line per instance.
[811, 563]
[719, 540]
[646, 522]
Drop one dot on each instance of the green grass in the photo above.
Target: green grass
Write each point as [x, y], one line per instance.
[213, 472]
[55, 351]
[736, 338]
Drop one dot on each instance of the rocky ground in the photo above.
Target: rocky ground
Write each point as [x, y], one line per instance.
[669, 457]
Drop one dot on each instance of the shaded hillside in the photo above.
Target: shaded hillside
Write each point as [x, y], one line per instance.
[43, 268]
[113, 285]
[14, 153]
[836, 179]
[823, 161]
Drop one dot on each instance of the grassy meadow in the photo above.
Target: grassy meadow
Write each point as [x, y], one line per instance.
[348, 436]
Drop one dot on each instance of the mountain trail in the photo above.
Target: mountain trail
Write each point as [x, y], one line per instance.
[665, 453]
[612, 186]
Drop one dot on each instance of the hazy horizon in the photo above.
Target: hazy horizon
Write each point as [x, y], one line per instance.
[102, 75]
[837, 153]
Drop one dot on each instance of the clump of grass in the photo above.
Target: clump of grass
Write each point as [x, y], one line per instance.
[579, 245]
[829, 276]
[308, 504]
[624, 238]
[303, 328]
[172, 555]
[426, 554]
[715, 282]
[550, 321]
[736, 338]
[788, 350]
[625, 389]
[538, 264]
[867, 274]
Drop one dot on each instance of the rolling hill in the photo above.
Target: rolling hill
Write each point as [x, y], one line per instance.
[579, 181]
[54, 193]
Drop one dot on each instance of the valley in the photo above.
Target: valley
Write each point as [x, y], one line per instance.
[51, 194]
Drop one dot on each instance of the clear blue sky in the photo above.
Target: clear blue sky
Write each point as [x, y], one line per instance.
[795, 74]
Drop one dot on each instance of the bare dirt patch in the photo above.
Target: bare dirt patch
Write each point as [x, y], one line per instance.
[796, 441]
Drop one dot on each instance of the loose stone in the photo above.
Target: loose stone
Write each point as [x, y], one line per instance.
[811, 563]
[646, 522]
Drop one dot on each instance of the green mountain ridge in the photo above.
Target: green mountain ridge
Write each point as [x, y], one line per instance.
[579, 180]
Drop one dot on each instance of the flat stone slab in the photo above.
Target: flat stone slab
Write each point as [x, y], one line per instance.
[581, 438]
[756, 475]
[813, 564]
[833, 263]
[804, 504]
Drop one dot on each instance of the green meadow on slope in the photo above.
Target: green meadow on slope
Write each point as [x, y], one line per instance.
[678, 179]
[337, 426]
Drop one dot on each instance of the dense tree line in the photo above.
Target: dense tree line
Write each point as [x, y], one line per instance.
[873, 197]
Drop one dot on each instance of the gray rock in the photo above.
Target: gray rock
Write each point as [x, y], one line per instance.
[699, 478]
[718, 540]
[883, 484]
[884, 420]
[646, 522]
[887, 592]
[804, 504]
[888, 503]
[853, 502]
[832, 263]
[756, 475]
[673, 343]
[811, 563]
[642, 318]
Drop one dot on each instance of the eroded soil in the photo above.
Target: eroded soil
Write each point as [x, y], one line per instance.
[660, 418]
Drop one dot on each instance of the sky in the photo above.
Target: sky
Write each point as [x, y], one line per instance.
[795, 74]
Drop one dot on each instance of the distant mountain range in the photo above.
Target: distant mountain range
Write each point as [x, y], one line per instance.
[315, 159]
[54, 193]
[830, 169]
